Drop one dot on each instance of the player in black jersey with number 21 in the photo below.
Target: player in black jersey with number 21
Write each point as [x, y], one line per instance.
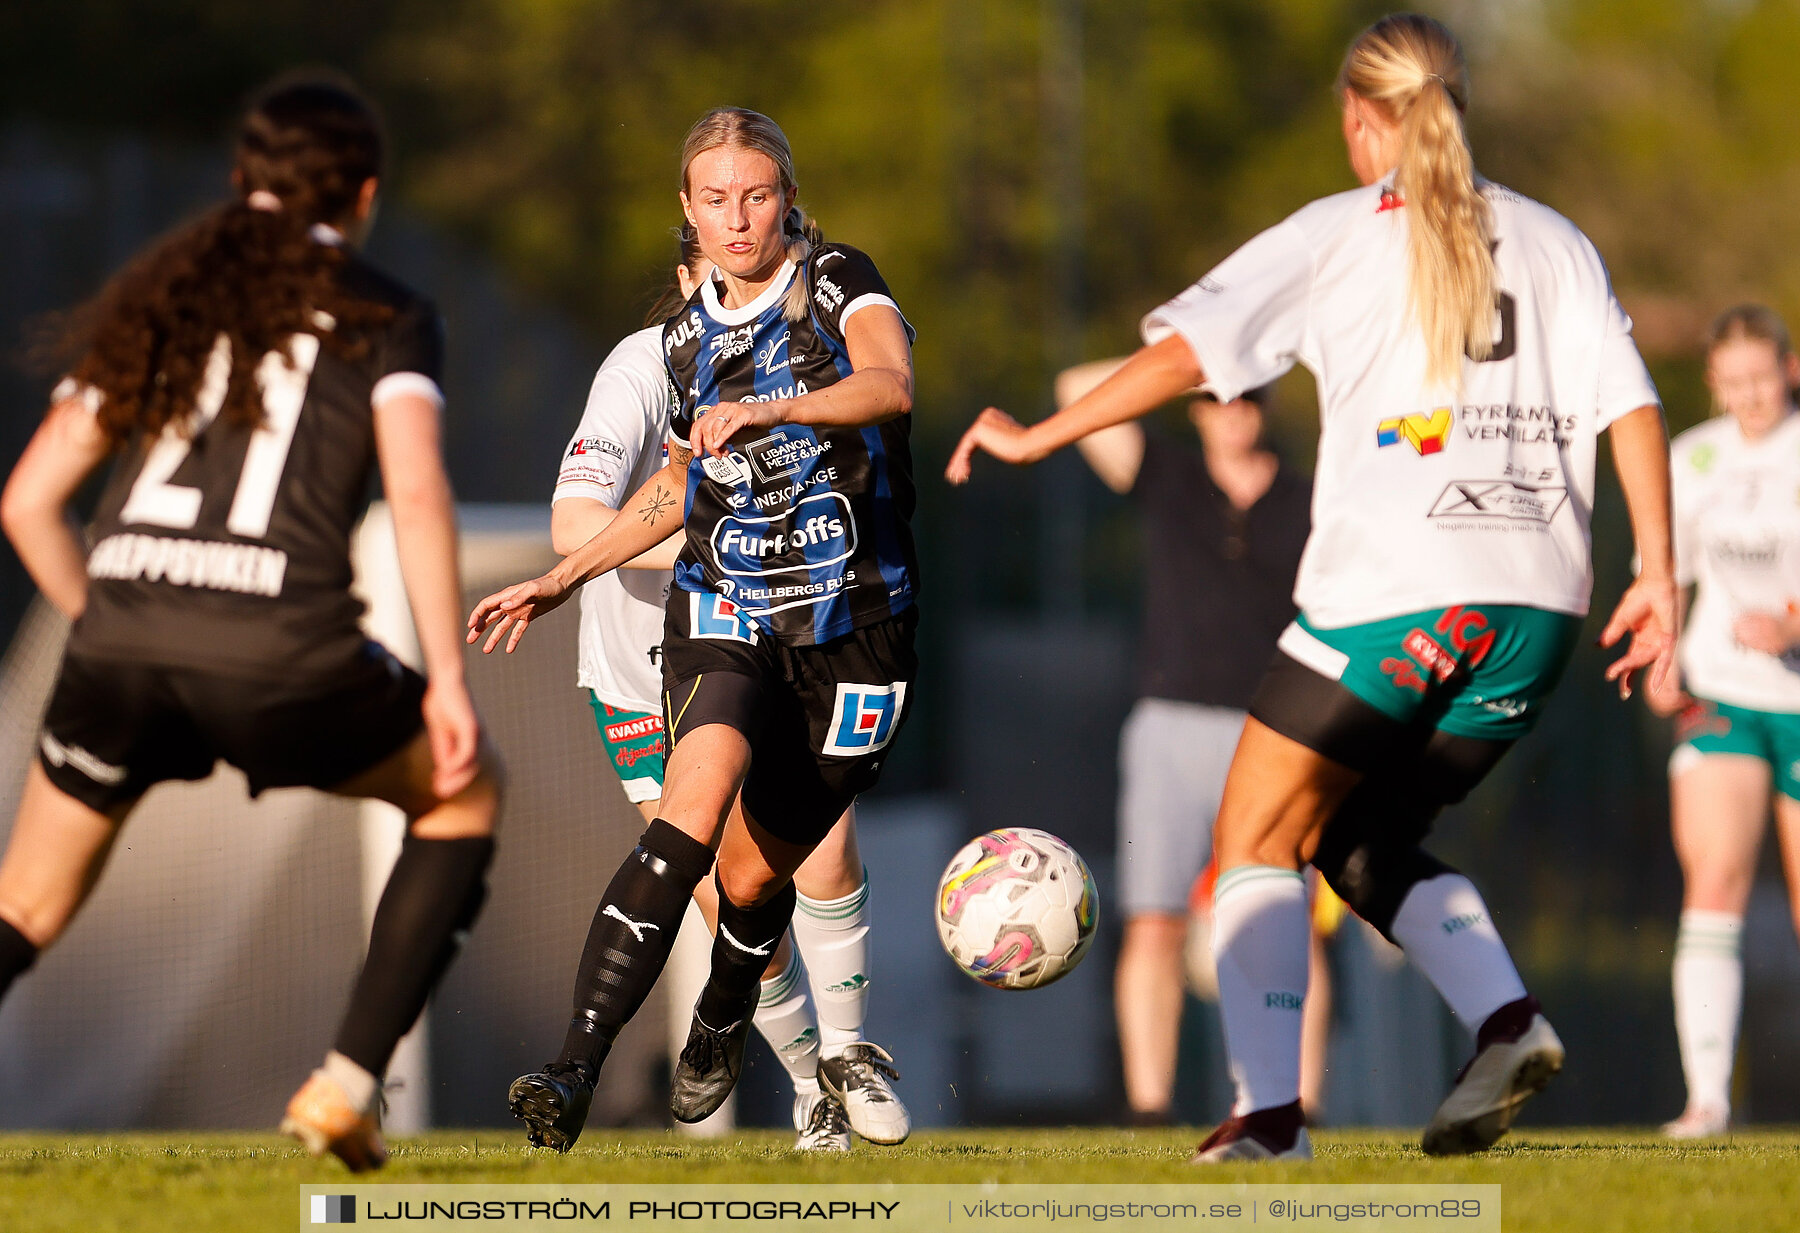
[788, 648]
[246, 373]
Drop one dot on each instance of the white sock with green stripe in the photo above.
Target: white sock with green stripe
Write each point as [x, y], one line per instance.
[1444, 927]
[786, 1022]
[833, 936]
[1260, 935]
[1709, 994]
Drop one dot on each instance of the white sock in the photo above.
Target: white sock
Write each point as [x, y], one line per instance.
[1709, 992]
[1260, 933]
[1444, 927]
[833, 937]
[786, 1022]
[358, 1084]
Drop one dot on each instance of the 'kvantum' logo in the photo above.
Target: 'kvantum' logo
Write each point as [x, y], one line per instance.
[1425, 432]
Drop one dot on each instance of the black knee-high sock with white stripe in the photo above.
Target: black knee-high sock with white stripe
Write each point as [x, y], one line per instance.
[746, 939]
[629, 942]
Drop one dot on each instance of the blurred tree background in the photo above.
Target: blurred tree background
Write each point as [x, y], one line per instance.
[1031, 176]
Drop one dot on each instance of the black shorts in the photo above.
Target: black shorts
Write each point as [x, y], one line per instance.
[819, 719]
[115, 728]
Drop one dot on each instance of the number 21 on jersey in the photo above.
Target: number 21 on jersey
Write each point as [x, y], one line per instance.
[154, 500]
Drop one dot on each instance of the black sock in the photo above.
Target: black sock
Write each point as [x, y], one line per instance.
[746, 939]
[431, 899]
[629, 942]
[17, 953]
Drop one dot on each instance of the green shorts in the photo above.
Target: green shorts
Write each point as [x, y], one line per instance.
[1475, 670]
[634, 742]
[1709, 727]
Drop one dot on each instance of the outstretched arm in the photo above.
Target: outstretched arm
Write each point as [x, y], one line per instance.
[1152, 376]
[1649, 610]
[64, 451]
[643, 522]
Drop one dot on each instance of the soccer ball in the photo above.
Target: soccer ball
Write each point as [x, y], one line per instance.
[1017, 909]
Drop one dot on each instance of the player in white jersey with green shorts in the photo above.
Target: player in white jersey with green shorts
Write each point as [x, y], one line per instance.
[617, 446]
[1468, 353]
[1737, 542]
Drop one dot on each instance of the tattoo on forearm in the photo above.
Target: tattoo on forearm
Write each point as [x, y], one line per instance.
[659, 503]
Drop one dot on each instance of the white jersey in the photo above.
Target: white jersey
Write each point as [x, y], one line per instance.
[619, 446]
[1737, 539]
[1424, 499]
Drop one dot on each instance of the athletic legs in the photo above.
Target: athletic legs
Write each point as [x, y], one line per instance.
[1718, 805]
[56, 852]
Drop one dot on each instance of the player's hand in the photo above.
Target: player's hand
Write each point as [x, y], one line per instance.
[1767, 632]
[995, 432]
[514, 608]
[455, 736]
[1647, 611]
[1670, 698]
[715, 426]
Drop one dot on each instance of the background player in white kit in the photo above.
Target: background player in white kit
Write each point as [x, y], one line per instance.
[1468, 352]
[1737, 542]
[618, 445]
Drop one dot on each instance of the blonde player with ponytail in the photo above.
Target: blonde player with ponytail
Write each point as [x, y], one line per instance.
[1468, 352]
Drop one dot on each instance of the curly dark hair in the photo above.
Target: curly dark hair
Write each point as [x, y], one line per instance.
[671, 300]
[250, 271]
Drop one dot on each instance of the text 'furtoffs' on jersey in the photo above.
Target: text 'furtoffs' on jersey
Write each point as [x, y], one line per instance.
[226, 547]
[804, 529]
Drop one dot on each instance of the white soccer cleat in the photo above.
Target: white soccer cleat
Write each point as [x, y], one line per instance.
[1267, 1134]
[858, 1080]
[1698, 1123]
[821, 1124]
[1490, 1089]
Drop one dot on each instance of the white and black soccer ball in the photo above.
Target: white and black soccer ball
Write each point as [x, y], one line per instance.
[1016, 908]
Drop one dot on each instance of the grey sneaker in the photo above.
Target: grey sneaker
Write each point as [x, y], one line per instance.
[821, 1123]
[858, 1080]
[1510, 1068]
[708, 1068]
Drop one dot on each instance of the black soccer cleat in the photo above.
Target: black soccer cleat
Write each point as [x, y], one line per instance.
[553, 1104]
[708, 1069]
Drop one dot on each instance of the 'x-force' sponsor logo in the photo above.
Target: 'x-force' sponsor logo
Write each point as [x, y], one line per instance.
[1499, 499]
[779, 455]
[1425, 431]
[864, 718]
[819, 527]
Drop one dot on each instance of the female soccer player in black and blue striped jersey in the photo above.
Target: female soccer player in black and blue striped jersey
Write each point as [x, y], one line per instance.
[788, 650]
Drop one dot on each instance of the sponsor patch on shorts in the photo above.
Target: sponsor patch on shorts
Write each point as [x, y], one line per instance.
[864, 718]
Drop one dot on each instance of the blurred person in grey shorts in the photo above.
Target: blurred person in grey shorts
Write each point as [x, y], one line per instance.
[1223, 530]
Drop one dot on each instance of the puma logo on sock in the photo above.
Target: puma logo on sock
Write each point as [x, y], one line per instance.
[637, 927]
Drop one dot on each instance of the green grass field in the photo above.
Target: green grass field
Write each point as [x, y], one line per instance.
[1590, 1180]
